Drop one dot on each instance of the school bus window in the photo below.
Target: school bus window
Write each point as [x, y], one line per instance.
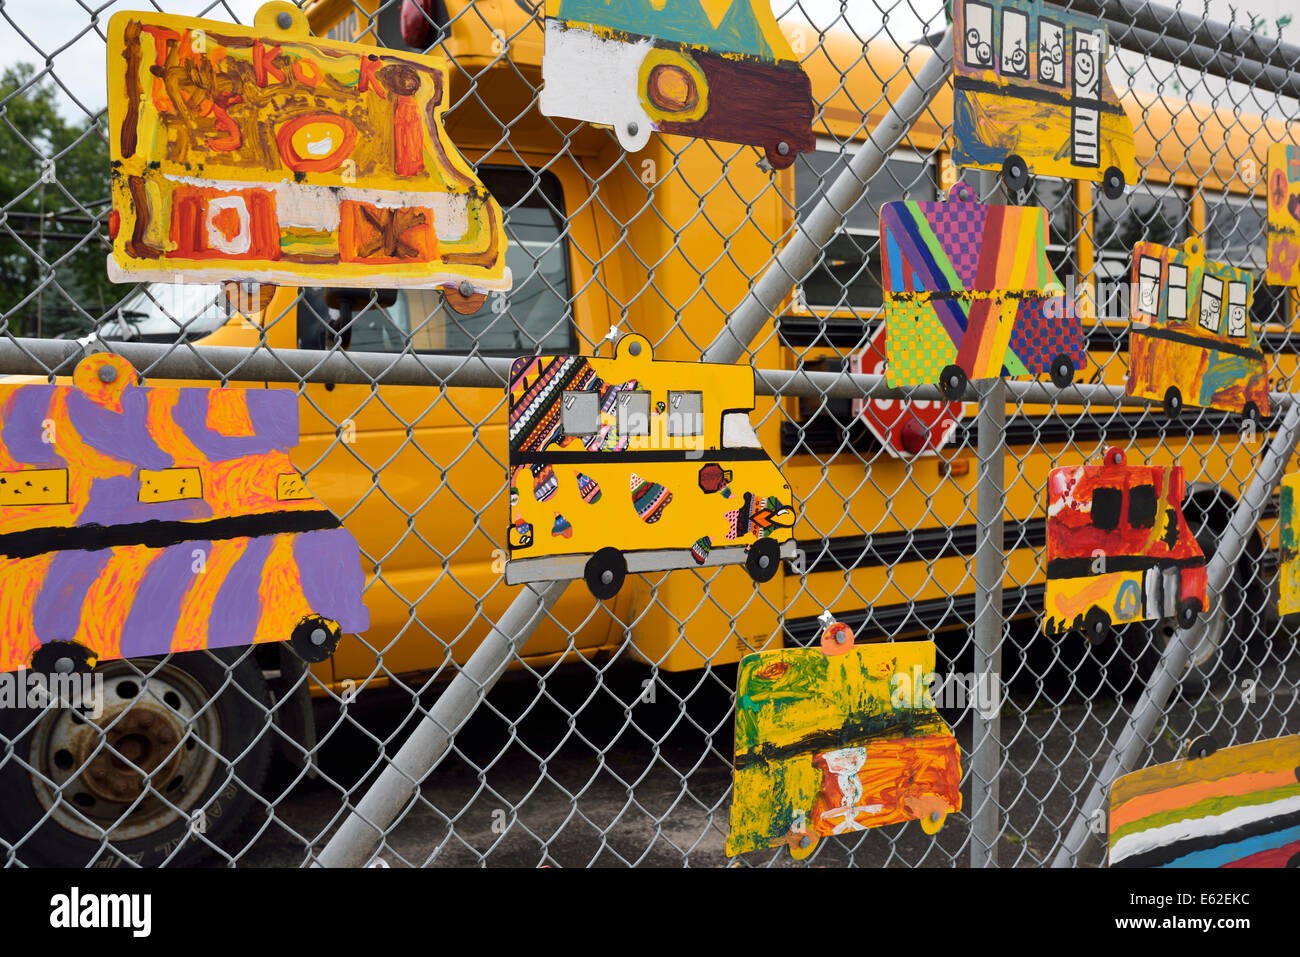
[738, 432]
[1149, 285]
[847, 276]
[534, 316]
[1235, 233]
[685, 413]
[580, 413]
[1142, 506]
[634, 413]
[1155, 213]
[1015, 37]
[1106, 504]
[1211, 302]
[1177, 292]
[1057, 197]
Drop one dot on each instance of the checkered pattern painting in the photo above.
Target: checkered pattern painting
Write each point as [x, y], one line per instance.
[917, 346]
[959, 227]
[1039, 338]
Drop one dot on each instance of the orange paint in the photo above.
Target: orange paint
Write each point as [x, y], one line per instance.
[1186, 795]
[196, 607]
[346, 139]
[24, 578]
[228, 413]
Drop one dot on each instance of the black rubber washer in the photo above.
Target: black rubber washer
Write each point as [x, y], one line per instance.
[311, 646]
[1015, 172]
[1188, 612]
[952, 382]
[1062, 371]
[605, 572]
[1173, 403]
[1202, 747]
[1112, 182]
[1096, 625]
[74, 657]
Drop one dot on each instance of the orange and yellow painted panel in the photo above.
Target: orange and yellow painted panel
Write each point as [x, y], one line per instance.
[1191, 340]
[829, 744]
[1118, 547]
[633, 464]
[1283, 215]
[139, 521]
[267, 154]
[1031, 95]
[1235, 807]
[717, 69]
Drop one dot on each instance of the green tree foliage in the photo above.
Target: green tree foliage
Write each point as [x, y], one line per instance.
[53, 212]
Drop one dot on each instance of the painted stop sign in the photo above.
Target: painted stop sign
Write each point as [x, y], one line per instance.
[905, 429]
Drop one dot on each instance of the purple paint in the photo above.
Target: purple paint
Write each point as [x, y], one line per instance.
[329, 565]
[115, 501]
[123, 435]
[150, 626]
[56, 614]
[24, 430]
[237, 609]
[272, 412]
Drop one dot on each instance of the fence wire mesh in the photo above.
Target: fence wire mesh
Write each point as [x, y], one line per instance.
[608, 740]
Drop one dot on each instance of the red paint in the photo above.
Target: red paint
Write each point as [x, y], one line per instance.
[114, 223]
[408, 138]
[1277, 857]
[307, 72]
[263, 65]
[366, 81]
[189, 216]
[904, 428]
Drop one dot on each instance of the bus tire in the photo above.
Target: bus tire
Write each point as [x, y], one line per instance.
[1173, 403]
[199, 722]
[314, 638]
[1188, 611]
[1015, 172]
[762, 560]
[1096, 625]
[1062, 371]
[1112, 182]
[605, 573]
[952, 382]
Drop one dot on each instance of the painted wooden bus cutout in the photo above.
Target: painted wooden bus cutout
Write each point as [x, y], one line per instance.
[717, 69]
[1283, 215]
[141, 521]
[970, 294]
[269, 155]
[1118, 548]
[832, 744]
[630, 464]
[1191, 341]
[1031, 96]
[1289, 544]
[1235, 807]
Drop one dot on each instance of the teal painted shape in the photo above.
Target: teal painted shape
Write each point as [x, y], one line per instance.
[680, 21]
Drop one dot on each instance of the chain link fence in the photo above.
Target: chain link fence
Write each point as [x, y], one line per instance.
[481, 724]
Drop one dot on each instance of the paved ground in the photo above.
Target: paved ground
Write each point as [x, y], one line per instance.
[634, 782]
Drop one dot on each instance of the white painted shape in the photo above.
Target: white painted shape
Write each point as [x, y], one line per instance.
[242, 241]
[738, 433]
[590, 78]
[1210, 826]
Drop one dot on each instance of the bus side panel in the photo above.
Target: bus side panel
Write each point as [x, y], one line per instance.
[1068, 600]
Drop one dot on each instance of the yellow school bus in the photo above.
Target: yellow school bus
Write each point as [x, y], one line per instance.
[666, 243]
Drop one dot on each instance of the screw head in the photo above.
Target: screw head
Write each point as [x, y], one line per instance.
[64, 666]
[607, 577]
[633, 129]
[764, 561]
[783, 148]
[284, 20]
[319, 636]
[466, 289]
[634, 348]
[805, 842]
[107, 374]
[839, 638]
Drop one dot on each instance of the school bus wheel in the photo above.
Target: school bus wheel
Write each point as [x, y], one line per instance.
[802, 844]
[315, 638]
[762, 560]
[605, 572]
[1096, 625]
[1062, 371]
[1173, 403]
[932, 822]
[1188, 612]
[63, 658]
[1015, 172]
[1112, 182]
[952, 383]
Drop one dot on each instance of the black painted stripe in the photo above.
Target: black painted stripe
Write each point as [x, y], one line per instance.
[903, 723]
[155, 534]
[972, 85]
[648, 455]
[1198, 342]
[1082, 567]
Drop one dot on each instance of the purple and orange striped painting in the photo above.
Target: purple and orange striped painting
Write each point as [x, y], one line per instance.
[138, 521]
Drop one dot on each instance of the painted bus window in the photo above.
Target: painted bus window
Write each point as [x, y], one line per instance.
[1118, 548]
[706, 68]
[1191, 341]
[970, 294]
[269, 155]
[672, 476]
[1031, 96]
[833, 744]
[114, 496]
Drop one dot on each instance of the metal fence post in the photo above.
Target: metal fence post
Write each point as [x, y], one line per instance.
[990, 565]
[354, 843]
[1151, 704]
